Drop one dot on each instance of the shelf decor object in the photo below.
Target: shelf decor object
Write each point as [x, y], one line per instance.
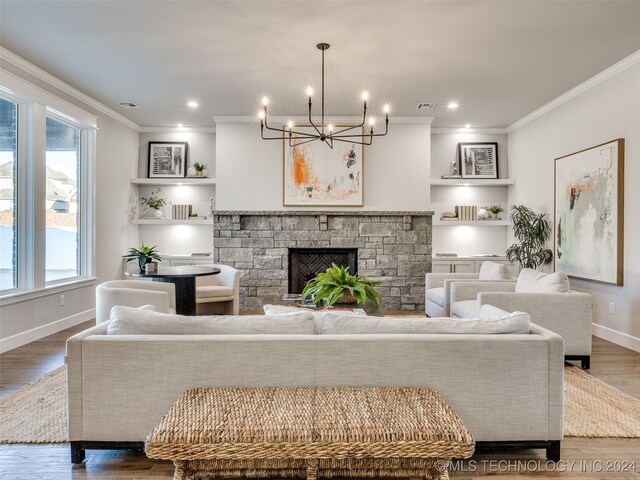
[324, 132]
[167, 159]
[478, 160]
[589, 213]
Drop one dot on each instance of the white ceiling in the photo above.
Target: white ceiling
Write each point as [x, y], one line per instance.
[499, 60]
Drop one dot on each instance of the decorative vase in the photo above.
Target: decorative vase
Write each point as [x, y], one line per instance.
[483, 213]
[191, 172]
[157, 213]
[493, 215]
[200, 173]
[142, 261]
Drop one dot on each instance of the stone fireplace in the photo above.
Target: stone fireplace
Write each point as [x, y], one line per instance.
[393, 247]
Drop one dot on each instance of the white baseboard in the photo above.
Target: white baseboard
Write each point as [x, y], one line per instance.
[619, 338]
[28, 336]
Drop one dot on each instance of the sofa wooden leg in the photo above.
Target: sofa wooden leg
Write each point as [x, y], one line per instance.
[77, 452]
[553, 451]
[585, 363]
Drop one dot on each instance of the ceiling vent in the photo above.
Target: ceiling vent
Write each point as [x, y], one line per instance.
[128, 105]
[426, 106]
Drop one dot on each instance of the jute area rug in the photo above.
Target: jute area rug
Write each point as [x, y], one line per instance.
[37, 413]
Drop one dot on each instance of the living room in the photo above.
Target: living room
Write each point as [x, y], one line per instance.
[532, 86]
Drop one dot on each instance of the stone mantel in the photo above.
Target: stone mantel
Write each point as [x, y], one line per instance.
[284, 213]
[393, 247]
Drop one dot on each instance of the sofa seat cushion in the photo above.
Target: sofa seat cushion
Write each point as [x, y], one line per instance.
[494, 271]
[212, 291]
[436, 295]
[533, 281]
[135, 321]
[506, 323]
[465, 309]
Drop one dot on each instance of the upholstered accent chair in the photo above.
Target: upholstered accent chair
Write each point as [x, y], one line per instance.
[134, 293]
[438, 286]
[547, 298]
[219, 293]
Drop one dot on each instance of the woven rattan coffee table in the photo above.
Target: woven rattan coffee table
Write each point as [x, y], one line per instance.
[310, 432]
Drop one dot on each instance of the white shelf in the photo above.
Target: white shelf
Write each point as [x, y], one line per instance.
[152, 221]
[479, 223]
[172, 181]
[457, 182]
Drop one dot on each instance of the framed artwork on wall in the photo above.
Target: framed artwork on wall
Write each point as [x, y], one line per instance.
[316, 175]
[478, 160]
[167, 159]
[589, 213]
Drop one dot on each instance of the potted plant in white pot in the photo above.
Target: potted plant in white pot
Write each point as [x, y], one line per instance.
[199, 168]
[143, 255]
[154, 202]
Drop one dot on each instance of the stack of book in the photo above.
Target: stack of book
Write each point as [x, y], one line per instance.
[180, 212]
[467, 213]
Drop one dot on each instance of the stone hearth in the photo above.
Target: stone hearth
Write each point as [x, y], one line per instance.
[394, 247]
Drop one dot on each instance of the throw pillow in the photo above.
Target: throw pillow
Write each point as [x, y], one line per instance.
[135, 321]
[533, 281]
[514, 323]
[494, 271]
[317, 314]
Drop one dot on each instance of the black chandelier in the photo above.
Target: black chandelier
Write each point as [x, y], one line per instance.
[324, 133]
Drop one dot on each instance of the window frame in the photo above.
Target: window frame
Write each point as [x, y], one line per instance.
[34, 105]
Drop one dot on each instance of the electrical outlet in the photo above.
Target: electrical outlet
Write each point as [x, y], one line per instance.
[612, 308]
[61, 300]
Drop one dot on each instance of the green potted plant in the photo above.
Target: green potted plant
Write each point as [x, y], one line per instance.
[155, 202]
[143, 255]
[336, 285]
[532, 231]
[494, 210]
[199, 168]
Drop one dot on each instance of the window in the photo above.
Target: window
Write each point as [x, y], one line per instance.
[8, 190]
[63, 201]
[46, 202]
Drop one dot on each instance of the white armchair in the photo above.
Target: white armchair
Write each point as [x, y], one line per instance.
[134, 293]
[569, 313]
[438, 286]
[219, 292]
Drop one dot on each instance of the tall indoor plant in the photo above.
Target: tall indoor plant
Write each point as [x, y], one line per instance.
[532, 231]
[336, 285]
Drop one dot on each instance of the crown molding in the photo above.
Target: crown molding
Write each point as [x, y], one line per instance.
[37, 72]
[597, 79]
[468, 131]
[302, 120]
[177, 130]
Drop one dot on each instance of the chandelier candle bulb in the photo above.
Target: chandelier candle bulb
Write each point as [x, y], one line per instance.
[309, 91]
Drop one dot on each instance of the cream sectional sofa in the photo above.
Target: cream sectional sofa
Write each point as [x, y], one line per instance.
[507, 388]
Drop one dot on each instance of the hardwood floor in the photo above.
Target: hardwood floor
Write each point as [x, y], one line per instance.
[582, 458]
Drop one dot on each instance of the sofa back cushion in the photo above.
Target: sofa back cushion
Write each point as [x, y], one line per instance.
[516, 322]
[533, 281]
[135, 321]
[317, 314]
[494, 271]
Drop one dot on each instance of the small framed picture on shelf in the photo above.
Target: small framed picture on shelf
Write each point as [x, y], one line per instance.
[478, 160]
[167, 159]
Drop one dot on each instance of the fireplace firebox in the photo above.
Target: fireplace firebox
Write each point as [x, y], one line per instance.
[306, 263]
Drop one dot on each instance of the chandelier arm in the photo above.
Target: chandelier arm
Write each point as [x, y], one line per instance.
[386, 130]
[302, 143]
[352, 141]
[311, 121]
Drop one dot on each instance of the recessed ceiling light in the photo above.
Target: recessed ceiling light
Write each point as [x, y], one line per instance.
[452, 105]
[128, 105]
[180, 125]
[193, 104]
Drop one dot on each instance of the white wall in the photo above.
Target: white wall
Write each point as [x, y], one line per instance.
[249, 169]
[608, 111]
[116, 162]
